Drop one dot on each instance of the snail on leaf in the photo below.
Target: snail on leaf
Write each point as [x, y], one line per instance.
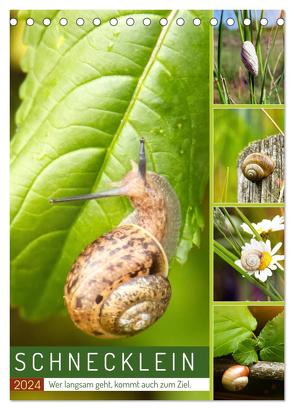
[118, 285]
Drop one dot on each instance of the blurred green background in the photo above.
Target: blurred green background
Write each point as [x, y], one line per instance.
[233, 131]
[228, 284]
[185, 323]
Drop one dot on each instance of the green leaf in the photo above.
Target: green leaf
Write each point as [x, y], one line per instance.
[246, 353]
[89, 95]
[232, 325]
[271, 340]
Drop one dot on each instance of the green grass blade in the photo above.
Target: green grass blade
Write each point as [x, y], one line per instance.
[246, 220]
[266, 66]
[219, 45]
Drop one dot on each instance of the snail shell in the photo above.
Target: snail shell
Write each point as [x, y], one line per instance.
[250, 260]
[118, 286]
[235, 378]
[257, 166]
[249, 58]
[111, 293]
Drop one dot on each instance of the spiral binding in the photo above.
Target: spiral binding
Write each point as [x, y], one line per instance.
[130, 21]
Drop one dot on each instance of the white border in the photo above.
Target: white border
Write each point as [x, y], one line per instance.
[5, 5]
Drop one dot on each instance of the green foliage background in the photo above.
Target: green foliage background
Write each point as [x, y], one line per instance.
[88, 96]
[234, 332]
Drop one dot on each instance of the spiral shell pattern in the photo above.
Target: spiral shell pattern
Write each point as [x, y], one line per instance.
[249, 58]
[235, 378]
[117, 286]
[250, 260]
[257, 166]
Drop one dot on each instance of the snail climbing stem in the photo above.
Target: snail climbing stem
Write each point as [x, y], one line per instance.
[118, 285]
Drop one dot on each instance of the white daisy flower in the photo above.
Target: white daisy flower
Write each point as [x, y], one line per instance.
[259, 259]
[266, 226]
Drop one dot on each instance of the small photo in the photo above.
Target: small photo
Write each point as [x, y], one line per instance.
[248, 254]
[249, 57]
[249, 353]
[249, 155]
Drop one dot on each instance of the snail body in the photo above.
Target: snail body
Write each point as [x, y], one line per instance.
[249, 58]
[235, 378]
[118, 285]
[257, 166]
[251, 259]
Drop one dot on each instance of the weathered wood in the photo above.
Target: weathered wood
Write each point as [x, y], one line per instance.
[260, 370]
[271, 188]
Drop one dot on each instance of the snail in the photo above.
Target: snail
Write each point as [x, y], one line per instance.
[257, 166]
[251, 260]
[118, 285]
[249, 58]
[235, 378]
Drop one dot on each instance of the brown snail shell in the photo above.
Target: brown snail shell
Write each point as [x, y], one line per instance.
[257, 166]
[118, 286]
[250, 260]
[111, 293]
[235, 378]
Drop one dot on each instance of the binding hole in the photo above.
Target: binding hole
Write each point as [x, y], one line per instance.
[130, 21]
[113, 22]
[63, 21]
[230, 22]
[213, 21]
[30, 21]
[13, 21]
[146, 21]
[80, 21]
[263, 21]
[96, 21]
[46, 22]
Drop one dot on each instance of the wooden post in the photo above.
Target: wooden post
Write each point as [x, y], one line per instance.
[271, 188]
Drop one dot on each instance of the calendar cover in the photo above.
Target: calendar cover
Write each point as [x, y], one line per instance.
[147, 204]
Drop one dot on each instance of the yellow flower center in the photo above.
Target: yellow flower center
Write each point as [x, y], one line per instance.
[265, 260]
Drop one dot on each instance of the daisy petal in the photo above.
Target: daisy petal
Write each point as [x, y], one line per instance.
[276, 248]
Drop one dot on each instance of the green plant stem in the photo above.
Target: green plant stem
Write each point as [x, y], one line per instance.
[246, 28]
[272, 287]
[225, 190]
[219, 46]
[239, 25]
[272, 120]
[251, 27]
[251, 88]
[220, 91]
[246, 220]
[225, 87]
[259, 28]
[266, 65]
[234, 226]
[233, 245]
